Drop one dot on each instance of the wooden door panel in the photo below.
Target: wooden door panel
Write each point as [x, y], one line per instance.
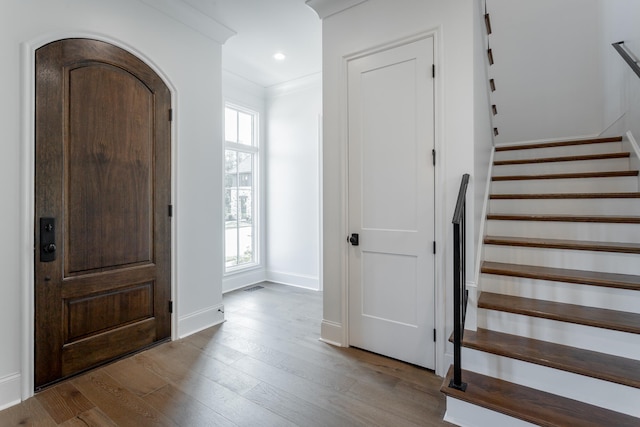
[103, 172]
[109, 168]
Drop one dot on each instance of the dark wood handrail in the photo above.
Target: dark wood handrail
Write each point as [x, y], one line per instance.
[459, 282]
[625, 55]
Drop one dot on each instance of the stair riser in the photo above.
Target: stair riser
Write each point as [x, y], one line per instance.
[571, 150]
[572, 185]
[563, 167]
[566, 206]
[569, 293]
[573, 386]
[628, 233]
[590, 338]
[465, 414]
[564, 258]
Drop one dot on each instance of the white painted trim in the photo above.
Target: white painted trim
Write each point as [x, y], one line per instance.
[243, 278]
[293, 86]
[10, 390]
[326, 8]
[200, 320]
[291, 279]
[613, 123]
[542, 141]
[483, 219]
[634, 161]
[192, 18]
[332, 333]
[27, 192]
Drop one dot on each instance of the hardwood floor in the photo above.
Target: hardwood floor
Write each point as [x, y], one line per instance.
[263, 367]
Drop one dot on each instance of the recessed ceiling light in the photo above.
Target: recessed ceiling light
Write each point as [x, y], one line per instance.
[279, 56]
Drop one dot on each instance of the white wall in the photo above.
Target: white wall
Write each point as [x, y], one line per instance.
[191, 64]
[367, 25]
[244, 93]
[547, 69]
[293, 180]
[620, 22]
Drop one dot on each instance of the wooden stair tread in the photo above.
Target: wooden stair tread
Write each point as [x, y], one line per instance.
[580, 245]
[625, 195]
[595, 278]
[619, 370]
[570, 313]
[573, 175]
[558, 144]
[605, 156]
[567, 218]
[531, 405]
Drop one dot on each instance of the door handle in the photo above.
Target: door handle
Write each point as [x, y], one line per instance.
[47, 239]
[354, 239]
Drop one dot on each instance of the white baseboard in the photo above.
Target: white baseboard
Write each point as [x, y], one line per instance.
[203, 319]
[542, 141]
[631, 144]
[10, 390]
[465, 414]
[332, 333]
[241, 279]
[297, 280]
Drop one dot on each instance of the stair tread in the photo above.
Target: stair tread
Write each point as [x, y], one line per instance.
[572, 175]
[570, 313]
[595, 278]
[624, 195]
[604, 156]
[567, 218]
[589, 363]
[531, 405]
[559, 144]
[582, 245]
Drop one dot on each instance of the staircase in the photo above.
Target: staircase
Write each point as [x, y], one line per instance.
[558, 338]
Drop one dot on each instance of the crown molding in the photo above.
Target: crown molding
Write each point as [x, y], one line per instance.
[192, 18]
[326, 8]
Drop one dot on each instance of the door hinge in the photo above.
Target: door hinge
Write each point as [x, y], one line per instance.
[433, 156]
[433, 70]
[434, 335]
[170, 306]
[434, 246]
[170, 114]
[170, 210]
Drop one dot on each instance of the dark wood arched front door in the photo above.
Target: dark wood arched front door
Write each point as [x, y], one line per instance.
[102, 192]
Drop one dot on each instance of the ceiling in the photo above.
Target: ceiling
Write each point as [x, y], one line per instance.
[263, 28]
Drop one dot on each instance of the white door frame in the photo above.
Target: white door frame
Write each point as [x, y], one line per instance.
[440, 211]
[27, 193]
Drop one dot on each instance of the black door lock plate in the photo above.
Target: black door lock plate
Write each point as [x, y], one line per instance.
[47, 239]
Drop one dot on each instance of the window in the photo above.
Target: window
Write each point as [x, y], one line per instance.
[240, 188]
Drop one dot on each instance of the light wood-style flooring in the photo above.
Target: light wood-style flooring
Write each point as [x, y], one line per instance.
[263, 367]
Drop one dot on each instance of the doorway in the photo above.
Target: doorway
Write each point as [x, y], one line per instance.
[391, 202]
[102, 221]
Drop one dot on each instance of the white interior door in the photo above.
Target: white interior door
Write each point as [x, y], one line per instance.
[391, 202]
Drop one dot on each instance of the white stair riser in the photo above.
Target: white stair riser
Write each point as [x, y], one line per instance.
[600, 232]
[596, 339]
[465, 414]
[573, 386]
[570, 150]
[566, 206]
[568, 293]
[568, 185]
[563, 167]
[564, 258]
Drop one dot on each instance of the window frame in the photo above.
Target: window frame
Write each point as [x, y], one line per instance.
[256, 181]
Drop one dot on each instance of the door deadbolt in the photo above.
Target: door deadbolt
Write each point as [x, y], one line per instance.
[354, 239]
[48, 239]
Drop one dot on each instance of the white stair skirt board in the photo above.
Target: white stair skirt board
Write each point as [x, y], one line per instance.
[606, 206]
[596, 231]
[566, 185]
[565, 258]
[616, 397]
[569, 150]
[617, 343]
[465, 414]
[568, 293]
[602, 165]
